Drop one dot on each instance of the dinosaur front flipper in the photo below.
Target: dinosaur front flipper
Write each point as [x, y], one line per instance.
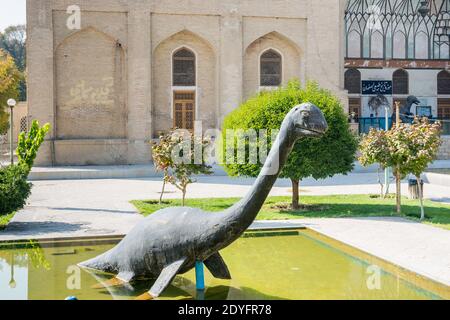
[166, 277]
[217, 267]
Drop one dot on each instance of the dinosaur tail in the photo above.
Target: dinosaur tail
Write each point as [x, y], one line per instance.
[104, 262]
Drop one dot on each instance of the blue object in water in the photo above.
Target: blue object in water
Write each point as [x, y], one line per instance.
[199, 276]
[71, 298]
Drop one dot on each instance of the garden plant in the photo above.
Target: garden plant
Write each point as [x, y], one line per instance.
[407, 148]
[14, 187]
[175, 155]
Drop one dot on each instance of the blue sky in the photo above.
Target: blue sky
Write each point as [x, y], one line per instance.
[12, 12]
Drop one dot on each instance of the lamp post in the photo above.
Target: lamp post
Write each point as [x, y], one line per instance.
[12, 282]
[386, 171]
[11, 103]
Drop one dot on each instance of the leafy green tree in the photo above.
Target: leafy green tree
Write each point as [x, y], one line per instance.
[175, 155]
[332, 154]
[14, 188]
[12, 41]
[10, 78]
[29, 144]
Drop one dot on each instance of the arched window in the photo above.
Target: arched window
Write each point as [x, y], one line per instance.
[271, 69]
[400, 82]
[443, 82]
[184, 68]
[353, 81]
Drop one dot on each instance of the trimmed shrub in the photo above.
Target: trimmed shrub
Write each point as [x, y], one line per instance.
[14, 188]
[332, 154]
[30, 142]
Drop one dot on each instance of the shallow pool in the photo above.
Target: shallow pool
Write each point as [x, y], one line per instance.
[296, 264]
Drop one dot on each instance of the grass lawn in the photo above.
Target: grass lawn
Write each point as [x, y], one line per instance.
[4, 220]
[276, 208]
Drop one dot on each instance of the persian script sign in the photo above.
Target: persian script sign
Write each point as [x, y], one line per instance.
[377, 87]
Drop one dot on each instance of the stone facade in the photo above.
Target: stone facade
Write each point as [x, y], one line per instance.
[106, 88]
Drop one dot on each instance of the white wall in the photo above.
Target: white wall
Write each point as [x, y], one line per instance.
[422, 84]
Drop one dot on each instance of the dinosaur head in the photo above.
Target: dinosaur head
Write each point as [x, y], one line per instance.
[412, 100]
[308, 121]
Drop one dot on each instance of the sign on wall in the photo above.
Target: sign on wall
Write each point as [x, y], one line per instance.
[424, 111]
[377, 87]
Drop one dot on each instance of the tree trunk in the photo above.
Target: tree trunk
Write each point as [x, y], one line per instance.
[162, 192]
[295, 194]
[398, 183]
[422, 210]
[380, 183]
[183, 201]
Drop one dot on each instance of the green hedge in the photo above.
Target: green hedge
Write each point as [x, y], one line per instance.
[14, 188]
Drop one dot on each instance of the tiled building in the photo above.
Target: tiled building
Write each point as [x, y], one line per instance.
[398, 48]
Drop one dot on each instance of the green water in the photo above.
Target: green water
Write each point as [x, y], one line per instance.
[288, 265]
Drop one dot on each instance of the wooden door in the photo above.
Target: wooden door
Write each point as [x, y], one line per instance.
[444, 108]
[355, 107]
[184, 110]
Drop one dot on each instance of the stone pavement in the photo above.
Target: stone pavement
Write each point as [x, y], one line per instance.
[148, 171]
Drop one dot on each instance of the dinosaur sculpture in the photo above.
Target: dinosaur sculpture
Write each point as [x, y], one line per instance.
[170, 241]
[406, 116]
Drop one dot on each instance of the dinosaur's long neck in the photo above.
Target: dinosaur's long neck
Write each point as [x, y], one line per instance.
[243, 213]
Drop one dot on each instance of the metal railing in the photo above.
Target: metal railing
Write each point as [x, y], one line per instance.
[365, 124]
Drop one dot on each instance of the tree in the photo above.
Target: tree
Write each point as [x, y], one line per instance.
[332, 154]
[379, 147]
[374, 149]
[162, 158]
[408, 148]
[12, 41]
[177, 156]
[417, 145]
[10, 78]
[29, 144]
[14, 188]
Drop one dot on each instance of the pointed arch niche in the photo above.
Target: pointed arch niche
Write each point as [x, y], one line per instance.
[90, 82]
[184, 66]
[283, 50]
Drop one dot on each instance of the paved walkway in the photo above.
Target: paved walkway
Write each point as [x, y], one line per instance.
[148, 171]
[73, 208]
